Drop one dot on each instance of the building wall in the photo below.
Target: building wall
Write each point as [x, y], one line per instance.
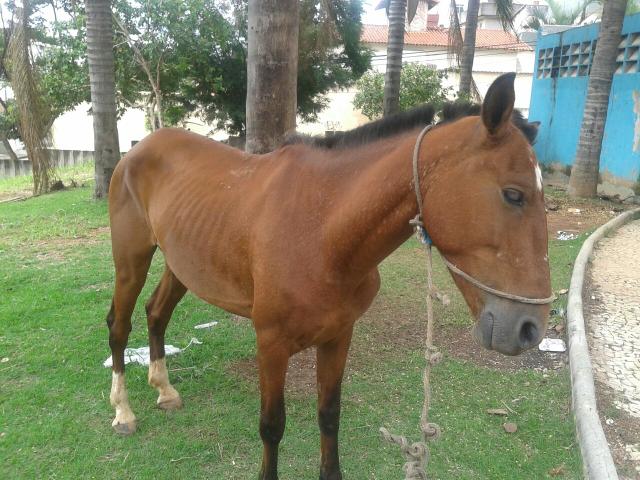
[559, 94]
[74, 130]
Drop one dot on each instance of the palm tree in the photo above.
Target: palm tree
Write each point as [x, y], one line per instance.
[558, 14]
[584, 175]
[504, 10]
[103, 92]
[32, 114]
[272, 67]
[396, 12]
[395, 46]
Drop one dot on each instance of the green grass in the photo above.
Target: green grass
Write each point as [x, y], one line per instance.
[24, 183]
[55, 419]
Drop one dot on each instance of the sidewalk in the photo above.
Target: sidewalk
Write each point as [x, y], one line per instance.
[612, 316]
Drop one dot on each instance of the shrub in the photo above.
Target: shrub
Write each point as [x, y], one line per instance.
[418, 84]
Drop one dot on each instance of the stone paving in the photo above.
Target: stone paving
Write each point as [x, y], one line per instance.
[613, 322]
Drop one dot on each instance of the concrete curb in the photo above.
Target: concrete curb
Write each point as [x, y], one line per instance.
[596, 457]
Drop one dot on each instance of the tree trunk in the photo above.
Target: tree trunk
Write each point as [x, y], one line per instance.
[103, 92]
[272, 70]
[33, 114]
[10, 152]
[395, 45]
[468, 48]
[158, 95]
[584, 175]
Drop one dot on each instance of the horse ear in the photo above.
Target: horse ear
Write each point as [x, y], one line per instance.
[498, 103]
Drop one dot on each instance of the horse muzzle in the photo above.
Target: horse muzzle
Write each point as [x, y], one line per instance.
[510, 328]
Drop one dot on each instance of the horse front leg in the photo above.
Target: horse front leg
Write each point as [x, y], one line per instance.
[331, 359]
[273, 358]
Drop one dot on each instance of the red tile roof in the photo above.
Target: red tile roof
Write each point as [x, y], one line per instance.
[438, 37]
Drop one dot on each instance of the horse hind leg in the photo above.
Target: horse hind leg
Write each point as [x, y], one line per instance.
[133, 246]
[159, 309]
[131, 273]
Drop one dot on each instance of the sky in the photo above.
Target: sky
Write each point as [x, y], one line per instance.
[378, 17]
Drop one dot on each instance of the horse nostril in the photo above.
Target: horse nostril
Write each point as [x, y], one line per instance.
[528, 334]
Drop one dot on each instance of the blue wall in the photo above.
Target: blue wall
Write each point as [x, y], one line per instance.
[559, 92]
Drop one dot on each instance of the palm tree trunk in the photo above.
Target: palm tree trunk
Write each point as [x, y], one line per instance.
[103, 92]
[468, 48]
[33, 114]
[584, 175]
[272, 71]
[395, 45]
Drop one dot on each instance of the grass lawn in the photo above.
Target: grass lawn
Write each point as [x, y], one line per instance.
[56, 280]
[22, 185]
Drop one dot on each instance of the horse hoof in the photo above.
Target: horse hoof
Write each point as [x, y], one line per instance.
[174, 403]
[124, 428]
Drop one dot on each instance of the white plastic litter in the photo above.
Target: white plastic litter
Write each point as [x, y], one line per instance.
[206, 325]
[562, 235]
[141, 355]
[193, 341]
[552, 345]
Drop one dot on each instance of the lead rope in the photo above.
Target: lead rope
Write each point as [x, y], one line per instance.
[417, 453]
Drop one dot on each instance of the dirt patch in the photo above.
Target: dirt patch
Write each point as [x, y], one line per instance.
[577, 215]
[459, 343]
[395, 329]
[15, 196]
[301, 375]
[91, 237]
[388, 328]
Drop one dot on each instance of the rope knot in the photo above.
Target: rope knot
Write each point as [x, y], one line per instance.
[416, 455]
[421, 232]
[431, 431]
[432, 355]
[416, 222]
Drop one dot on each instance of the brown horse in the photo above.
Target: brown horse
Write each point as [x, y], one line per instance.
[292, 239]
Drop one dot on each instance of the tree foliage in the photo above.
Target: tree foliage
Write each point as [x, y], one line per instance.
[197, 53]
[198, 50]
[418, 84]
[561, 13]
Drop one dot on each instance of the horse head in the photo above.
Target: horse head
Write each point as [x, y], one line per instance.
[485, 212]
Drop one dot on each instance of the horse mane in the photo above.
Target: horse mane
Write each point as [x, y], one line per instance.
[404, 121]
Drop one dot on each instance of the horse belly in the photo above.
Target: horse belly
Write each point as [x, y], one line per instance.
[213, 270]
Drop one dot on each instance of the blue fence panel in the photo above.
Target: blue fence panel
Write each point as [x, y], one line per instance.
[559, 92]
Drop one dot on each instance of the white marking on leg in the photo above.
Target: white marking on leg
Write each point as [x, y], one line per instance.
[159, 378]
[120, 401]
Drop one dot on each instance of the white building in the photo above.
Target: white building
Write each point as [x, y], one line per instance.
[497, 52]
[73, 130]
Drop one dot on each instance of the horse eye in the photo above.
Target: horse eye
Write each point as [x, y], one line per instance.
[513, 196]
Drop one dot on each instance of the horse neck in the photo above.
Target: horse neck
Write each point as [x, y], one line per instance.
[375, 204]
